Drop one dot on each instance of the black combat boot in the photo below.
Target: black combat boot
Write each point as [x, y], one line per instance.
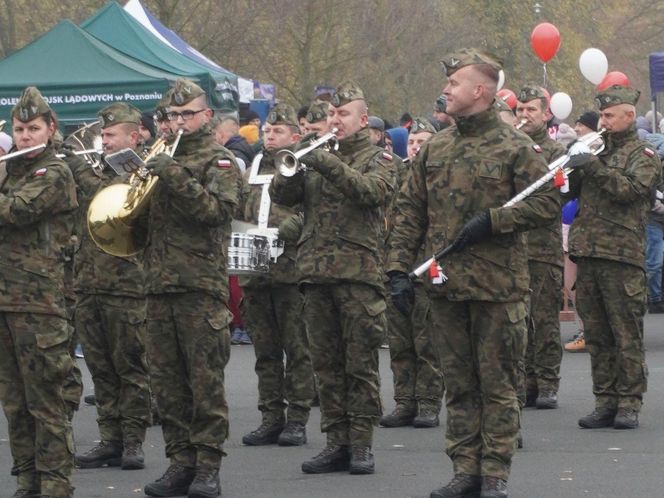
[547, 400]
[461, 486]
[132, 456]
[105, 453]
[493, 487]
[206, 484]
[626, 418]
[294, 434]
[361, 460]
[90, 399]
[600, 417]
[175, 482]
[333, 458]
[26, 493]
[402, 416]
[267, 433]
[427, 416]
[531, 397]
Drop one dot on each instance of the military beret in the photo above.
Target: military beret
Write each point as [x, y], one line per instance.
[282, 114]
[531, 92]
[467, 57]
[615, 95]
[345, 93]
[30, 105]
[317, 112]
[118, 113]
[501, 105]
[421, 125]
[441, 104]
[161, 111]
[184, 92]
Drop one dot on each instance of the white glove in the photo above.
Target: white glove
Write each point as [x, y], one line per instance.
[579, 148]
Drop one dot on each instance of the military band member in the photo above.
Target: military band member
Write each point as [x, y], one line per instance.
[607, 242]
[544, 352]
[317, 118]
[339, 258]
[37, 203]
[452, 195]
[272, 308]
[188, 225]
[110, 313]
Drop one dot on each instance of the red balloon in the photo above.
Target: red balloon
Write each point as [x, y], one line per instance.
[508, 96]
[613, 78]
[545, 40]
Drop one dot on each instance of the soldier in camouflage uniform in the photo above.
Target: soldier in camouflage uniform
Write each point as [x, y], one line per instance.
[452, 196]
[607, 242]
[339, 258]
[189, 223]
[317, 118]
[544, 352]
[37, 202]
[418, 381]
[272, 307]
[110, 313]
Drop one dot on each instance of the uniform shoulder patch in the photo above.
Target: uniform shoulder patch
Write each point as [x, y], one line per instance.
[224, 164]
[387, 156]
[537, 148]
[40, 172]
[649, 152]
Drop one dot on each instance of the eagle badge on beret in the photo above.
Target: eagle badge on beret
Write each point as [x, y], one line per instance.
[179, 98]
[24, 114]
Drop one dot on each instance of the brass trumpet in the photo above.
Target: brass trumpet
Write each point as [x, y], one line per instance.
[288, 163]
[112, 214]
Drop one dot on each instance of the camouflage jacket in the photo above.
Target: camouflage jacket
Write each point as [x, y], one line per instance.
[37, 202]
[463, 170]
[189, 220]
[344, 212]
[546, 244]
[614, 201]
[284, 270]
[96, 272]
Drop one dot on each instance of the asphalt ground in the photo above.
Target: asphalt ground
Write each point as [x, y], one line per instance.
[559, 460]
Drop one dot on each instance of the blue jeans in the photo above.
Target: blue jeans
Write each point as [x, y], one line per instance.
[654, 257]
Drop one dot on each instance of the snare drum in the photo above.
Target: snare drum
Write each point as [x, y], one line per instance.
[248, 254]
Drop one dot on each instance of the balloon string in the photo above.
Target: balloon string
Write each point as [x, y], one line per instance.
[544, 67]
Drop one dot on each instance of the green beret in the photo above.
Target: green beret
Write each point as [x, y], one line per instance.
[467, 57]
[118, 113]
[441, 104]
[282, 114]
[345, 93]
[421, 125]
[501, 105]
[161, 111]
[531, 92]
[184, 92]
[30, 105]
[615, 95]
[317, 112]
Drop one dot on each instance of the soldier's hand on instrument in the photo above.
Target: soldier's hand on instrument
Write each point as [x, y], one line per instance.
[401, 292]
[160, 163]
[580, 155]
[475, 231]
[321, 161]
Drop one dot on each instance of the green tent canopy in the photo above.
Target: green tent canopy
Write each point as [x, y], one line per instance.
[117, 28]
[79, 75]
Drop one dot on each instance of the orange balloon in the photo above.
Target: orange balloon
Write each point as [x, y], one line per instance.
[508, 96]
[613, 78]
[545, 41]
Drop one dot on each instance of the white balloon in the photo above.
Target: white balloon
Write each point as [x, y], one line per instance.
[501, 80]
[593, 65]
[561, 105]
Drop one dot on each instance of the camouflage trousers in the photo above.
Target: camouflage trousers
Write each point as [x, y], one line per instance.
[189, 347]
[544, 352]
[73, 386]
[346, 325]
[413, 357]
[273, 316]
[481, 346]
[611, 300]
[34, 363]
[112, 330]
